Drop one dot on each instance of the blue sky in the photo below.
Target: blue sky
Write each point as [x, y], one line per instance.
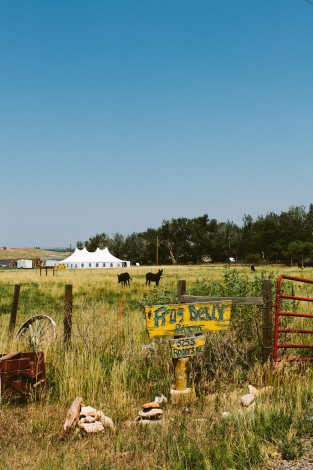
[118, 114]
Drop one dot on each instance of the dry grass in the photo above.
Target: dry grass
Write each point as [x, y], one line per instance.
[106, 366]
[29, 253]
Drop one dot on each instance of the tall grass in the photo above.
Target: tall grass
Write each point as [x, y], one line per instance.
[107, 366]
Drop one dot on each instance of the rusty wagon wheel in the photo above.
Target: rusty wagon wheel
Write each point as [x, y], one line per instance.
[37, 332]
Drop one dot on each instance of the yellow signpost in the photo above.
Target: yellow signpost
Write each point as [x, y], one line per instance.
[192, 320]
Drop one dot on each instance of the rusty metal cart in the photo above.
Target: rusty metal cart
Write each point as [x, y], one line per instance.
[22, 373]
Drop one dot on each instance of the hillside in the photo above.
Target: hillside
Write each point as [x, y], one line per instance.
[30, 253]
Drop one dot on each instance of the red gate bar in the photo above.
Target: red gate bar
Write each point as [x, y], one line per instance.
[279, 313]
[286, 296]
[291, 314]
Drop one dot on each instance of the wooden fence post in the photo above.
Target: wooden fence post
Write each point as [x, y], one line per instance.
[14, 308]
[68, 308]
[181, 290]
[267, 330]
[180, 365]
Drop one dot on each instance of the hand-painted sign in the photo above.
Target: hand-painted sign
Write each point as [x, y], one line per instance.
[187, 319]
[187, 347]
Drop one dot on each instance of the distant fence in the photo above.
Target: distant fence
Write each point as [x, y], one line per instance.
[61, 310]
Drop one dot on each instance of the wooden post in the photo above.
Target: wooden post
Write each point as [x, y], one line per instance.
[181, 393]
[267, 330]
[14, 308]
[68, 308]
[181, 290]
[180, 373]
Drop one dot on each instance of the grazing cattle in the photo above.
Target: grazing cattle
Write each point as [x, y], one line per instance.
[151, 277]
[252, 268]
[124, 279]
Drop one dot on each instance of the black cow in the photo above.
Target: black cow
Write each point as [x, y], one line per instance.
[151, 277]
[252, 268]
[124, 278]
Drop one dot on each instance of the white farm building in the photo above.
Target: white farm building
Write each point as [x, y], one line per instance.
[84, 259]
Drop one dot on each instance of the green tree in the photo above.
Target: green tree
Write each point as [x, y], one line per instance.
[292, 224]
[149, 239]
[101, 240]
[201, 237]
[227, 241]
[247, 237]
[117, 245]
[308, 225]
[175, 236]
[300, 251]
[266, 233]
[134, 248]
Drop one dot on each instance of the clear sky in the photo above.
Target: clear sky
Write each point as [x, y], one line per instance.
[117, 114]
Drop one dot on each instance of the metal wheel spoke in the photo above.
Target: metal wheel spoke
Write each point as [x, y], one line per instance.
[42, 329]
[37, 327]
[24, 334]
[46, 328]
[31, 331]
[37, 331]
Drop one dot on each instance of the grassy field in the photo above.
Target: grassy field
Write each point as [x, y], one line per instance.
[107, 367]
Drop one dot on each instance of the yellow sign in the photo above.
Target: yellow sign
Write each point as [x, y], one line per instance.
[187, 319]
[187, 347]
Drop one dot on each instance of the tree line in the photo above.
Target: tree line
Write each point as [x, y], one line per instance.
[286, 237]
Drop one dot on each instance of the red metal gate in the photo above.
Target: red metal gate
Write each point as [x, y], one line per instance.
[279, 313]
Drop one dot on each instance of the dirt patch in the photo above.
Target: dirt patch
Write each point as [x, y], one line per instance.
[305, 462]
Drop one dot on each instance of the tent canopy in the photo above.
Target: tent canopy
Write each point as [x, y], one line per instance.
[93, 259]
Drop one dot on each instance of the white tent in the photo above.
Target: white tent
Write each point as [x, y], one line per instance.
[96, 259]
